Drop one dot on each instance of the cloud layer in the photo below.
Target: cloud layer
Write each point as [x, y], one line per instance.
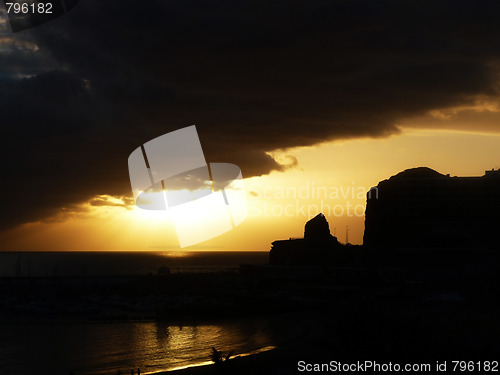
[78, 94]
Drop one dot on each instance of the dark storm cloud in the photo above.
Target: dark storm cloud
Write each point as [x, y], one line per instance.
[254, 76]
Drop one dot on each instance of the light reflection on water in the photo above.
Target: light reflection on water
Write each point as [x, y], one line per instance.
[104, 348]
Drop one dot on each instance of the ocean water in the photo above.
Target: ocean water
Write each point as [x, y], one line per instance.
[80, 348]
[105, 348]
[108, 263]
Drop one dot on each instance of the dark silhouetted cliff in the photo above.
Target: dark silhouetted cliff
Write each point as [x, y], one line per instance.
[317, 246]
[317, 228]
[422, 208]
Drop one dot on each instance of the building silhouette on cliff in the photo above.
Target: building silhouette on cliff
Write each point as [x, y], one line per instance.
[416, 210]
[421, 208]
[317, 246]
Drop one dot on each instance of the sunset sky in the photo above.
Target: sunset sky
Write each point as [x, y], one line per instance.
[315, 101]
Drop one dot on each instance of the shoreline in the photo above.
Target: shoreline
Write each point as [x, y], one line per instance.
[298, 333]
[249, 364]
[204, 367]
[270, 360]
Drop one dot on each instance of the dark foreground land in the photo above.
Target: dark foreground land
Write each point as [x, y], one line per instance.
[383, 333]
[345, 314]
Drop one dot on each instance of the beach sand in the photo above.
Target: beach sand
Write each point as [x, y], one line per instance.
[301, 333]
[269, 362]
[384, 332]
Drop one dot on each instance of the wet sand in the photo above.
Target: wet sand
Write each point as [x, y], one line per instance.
[269, 362]
[412, 332]
[280, 360]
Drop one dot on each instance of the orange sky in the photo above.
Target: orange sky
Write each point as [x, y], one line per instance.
[385, 88]
[331, 177]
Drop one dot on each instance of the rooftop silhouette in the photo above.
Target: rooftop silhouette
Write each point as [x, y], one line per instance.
[416, 210]
[421, 208]
[317, 246]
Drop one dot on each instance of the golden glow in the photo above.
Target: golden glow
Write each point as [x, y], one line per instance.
[335, 174]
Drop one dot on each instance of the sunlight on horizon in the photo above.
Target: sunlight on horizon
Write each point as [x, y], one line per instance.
[332, 178]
